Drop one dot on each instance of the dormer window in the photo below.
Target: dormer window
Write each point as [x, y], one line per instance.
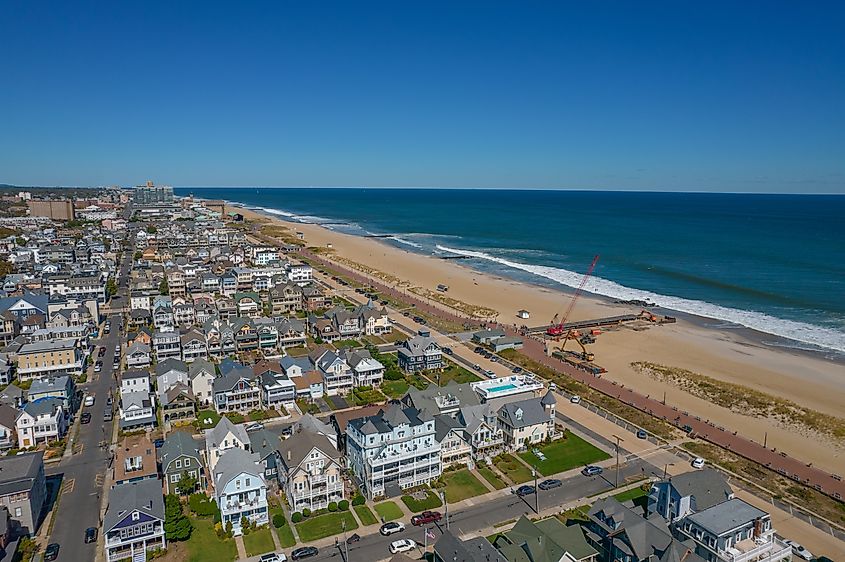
[136, 516]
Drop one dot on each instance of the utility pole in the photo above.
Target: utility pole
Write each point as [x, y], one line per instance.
[536, 492]
[765, 439]
[445, 507]
[618, 440]
[666, 468]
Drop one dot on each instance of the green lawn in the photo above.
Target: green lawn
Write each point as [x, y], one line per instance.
[326, 525]
[285, 533]
[203, 415]
[259, 541]
[637, 495]
[453, 372]
[416, 506]
[461, 484]
[307, 407]
[367, 397]
[564, 454]
[204, 546]
[388, 511]
[491, 477]
[512, 468]
[351, 344]
[365, 515]
[298, 351]
[258, 415]
[395, 389]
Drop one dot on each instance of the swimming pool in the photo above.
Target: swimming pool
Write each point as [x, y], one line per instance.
[501, 388]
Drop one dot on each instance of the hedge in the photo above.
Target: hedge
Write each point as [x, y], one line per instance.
[332, 506]
[343, 505]
[359, 500]
[296, 517]
[278, 520]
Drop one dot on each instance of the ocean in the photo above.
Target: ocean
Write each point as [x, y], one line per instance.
[772, 263]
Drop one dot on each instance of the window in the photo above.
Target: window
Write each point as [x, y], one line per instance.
[247, 482]
[18, 512]
[178, 463]
[136, 516]
[174, 478]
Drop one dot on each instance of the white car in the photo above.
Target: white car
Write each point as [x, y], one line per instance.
[402, 545]
[799, 550]
[273, 557]
[89, 400]
[575, 399]
[697, 462]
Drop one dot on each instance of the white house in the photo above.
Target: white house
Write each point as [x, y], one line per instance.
[240, 489]
[41, 421]
[134, 380]
[138, 355]
[202, 374]
[137, 409]
[224, 436]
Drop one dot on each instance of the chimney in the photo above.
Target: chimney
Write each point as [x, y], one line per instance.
[288, 454]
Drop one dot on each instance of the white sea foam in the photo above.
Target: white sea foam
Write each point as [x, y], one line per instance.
[403, 241]
[278, 212]
[798, 331]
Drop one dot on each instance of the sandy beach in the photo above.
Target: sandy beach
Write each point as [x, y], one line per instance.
[727, 355]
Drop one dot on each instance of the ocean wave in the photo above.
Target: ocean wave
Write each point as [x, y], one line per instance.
[791, 329]
[278, 212]
[403, 241]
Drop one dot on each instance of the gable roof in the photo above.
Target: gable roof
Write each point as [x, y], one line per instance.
[144, 496]
[177, 444]
[215, 436]
[200, 365]
[232, 463]
[708, 487]
[300, 444]
[524, 413]
[171, 364]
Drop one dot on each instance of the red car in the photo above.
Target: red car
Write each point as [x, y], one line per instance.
[426, 517]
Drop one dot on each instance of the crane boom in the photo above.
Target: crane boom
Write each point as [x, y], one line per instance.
[558, 329]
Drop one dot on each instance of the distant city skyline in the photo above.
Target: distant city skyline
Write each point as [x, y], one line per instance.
[659, 96]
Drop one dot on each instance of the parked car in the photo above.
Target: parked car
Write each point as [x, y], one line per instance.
[525, 491]
[89, 400]
[304, 552]
[446, 350]
[517, 370]
[109, 401]
[354, 537]
[90, 535]
[107, 415]
[255, 426]
[85, 417]
[592, 470]
[479, 350]
[426, 517]
[799, 550]
[490, 374]
[101, 352]
[51, 552]
[477, 367]
[697, 462]
[287, 431]
[642, 434]
[575, 399]
[391, 527]
[273, 557]
[550, 483]
[402, 545]
[98, 366]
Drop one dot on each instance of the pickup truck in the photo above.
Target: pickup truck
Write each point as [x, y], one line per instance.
[426, 517]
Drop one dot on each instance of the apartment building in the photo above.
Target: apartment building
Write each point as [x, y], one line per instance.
[23, 489]
[53, 357]
[310, 471]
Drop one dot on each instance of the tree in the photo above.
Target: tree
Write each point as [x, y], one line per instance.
[6, 268]
[151, 229]
[111, 287]
[20, 241]
[138, 255]
[162, 287]
[186, 484]
[177, 527]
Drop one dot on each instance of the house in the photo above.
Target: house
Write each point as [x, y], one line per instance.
[23, 489]
[193, 346]
[8, 416]
[419, 353]
[291, 332]
[248, 305]
[133, 524]
[134, 380]
[138, 355]
[309, 423]
[507, 342]
[688, 493]
[7, 370]
[237, 390]
[310, 471]
[336, 373]
[340, 420]
[224, 436]
[134, 460]
[366, 371]
[178, 403]
[733, 531]
[435, 400]
[454, 447]
[240, 489]
[528, 421]
[170, 372]
[398, 439]
[61, 387]
[547, 539]
[12, 396]
[482, 431]
[285, 299]
[179, 455]
[277, 389]
[166, 345]
[41, 421]
[309, 386]
[201, 375]
[450, 548]
[264, 444]
[487, 337]
[53, 357]
[137, 410]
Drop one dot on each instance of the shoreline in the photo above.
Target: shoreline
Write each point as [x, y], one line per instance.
[732, 354]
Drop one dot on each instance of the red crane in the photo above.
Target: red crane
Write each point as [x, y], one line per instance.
[558, 330]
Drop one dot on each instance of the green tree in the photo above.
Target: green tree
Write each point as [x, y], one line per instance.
[186, 484]
[177, 527]
[20, 241]
[162, 287]
[151, 229]
[111, 287]
[6, 268]
[138, 255]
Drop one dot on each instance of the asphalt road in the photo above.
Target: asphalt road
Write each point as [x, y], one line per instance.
[486, 514]
[83, 473]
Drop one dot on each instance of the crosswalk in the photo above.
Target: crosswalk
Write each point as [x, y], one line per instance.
[68, 485]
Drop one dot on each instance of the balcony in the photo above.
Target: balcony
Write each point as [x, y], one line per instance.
[764, 549]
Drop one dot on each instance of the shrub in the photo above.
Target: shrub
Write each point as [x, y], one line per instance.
[306, 512]
[296, 517]
[332, 506]
[202, 505]
[343, 505]
[393, 375]
[245, 527]
[359, 500]
[278, 520]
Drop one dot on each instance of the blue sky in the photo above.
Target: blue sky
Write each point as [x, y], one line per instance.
[734, 96]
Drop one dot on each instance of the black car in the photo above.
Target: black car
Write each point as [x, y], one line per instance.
[354, 537]
[90, 535]
[52, 552]
[525, 491]
[479, 350]
[304, 552]
[550, 483]
[85, 417]
[446, 350]
[642, 434]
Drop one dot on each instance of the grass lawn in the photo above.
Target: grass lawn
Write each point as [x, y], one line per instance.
[259, 541]
[491, 477]
[285, 533]
[298, 351]
[258, 415]
[366, 397]
[453, 372]
[395, 389]
[203, 415]
[416, 506]
[388, 510]
[365, 515]
[394, 336]
[307, 407]
[204, 546]
[637, 495]
[566, 453]
[461, 484]
[326, 525]
[342, 344]
[512, 468]
[235, 417]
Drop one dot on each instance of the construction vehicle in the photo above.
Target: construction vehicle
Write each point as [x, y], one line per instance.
[558, 330]
[646, 315]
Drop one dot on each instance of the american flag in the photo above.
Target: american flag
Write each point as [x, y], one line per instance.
[429, 533]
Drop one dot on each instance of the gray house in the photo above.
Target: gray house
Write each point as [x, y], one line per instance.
[180, 453]
[419, 353]
[134, 521]
[23, 489]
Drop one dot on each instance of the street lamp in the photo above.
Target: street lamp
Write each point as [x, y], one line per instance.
[536, 492]
[666, 468]
[618, 440]
[445, 507]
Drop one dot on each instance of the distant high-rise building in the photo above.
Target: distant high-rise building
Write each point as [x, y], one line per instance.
[151, 194]
[56, 209]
